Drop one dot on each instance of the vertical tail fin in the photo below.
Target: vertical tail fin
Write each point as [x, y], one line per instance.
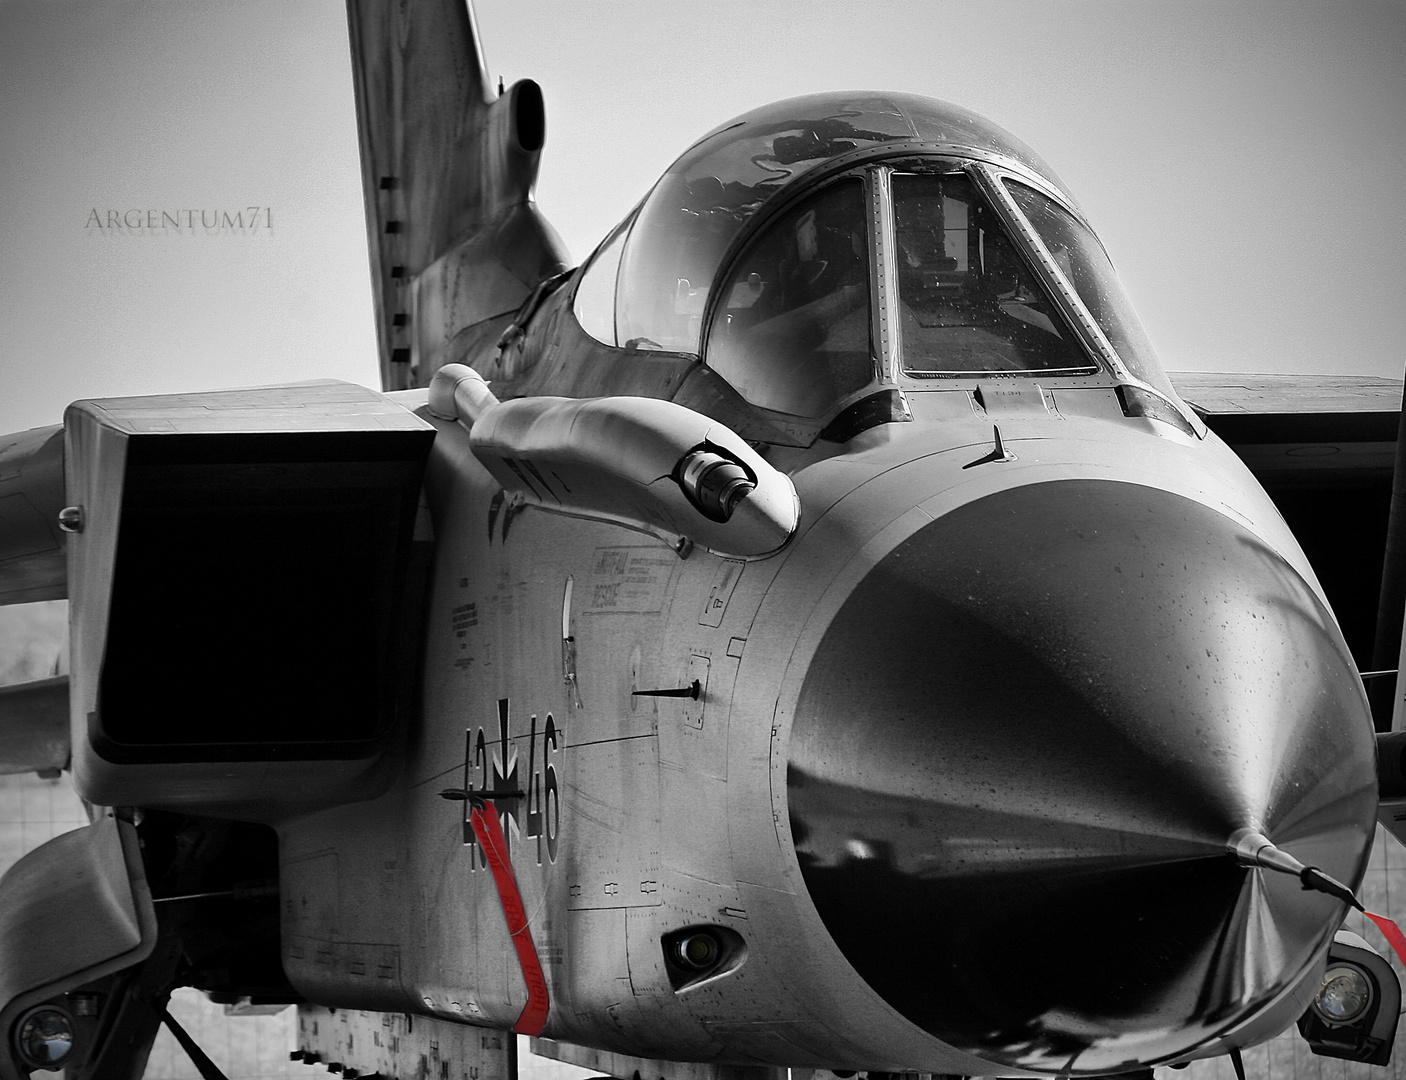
[448, 167]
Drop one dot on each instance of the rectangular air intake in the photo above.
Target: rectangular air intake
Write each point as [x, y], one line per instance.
[242, 586]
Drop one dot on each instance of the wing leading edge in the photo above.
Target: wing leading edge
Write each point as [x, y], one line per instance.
[1325, 448]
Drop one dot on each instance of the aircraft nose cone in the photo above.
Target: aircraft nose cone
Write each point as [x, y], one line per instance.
[1019, 753]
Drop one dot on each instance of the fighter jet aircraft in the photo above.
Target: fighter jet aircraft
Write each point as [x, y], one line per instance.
[814, 634]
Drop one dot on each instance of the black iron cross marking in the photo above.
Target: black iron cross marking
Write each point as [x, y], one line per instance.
[504, 789]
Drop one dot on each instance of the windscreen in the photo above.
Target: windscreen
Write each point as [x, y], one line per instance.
[1086, 265]
[968, 302]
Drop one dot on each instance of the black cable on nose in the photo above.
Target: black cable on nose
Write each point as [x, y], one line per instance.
[1253, 848]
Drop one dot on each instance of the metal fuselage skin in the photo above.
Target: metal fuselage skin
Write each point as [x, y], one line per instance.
[959, 788]
[633, 816]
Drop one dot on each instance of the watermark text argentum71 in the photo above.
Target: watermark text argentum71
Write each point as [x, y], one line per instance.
[247, 219]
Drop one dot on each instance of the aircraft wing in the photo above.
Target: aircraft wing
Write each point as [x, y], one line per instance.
[1273, 420]
[1324, 447]
[32, 563]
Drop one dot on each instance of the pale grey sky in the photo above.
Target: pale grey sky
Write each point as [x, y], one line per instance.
[1242, 161]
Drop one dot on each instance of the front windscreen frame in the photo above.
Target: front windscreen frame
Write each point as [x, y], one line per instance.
[947, 321]
[993, 180]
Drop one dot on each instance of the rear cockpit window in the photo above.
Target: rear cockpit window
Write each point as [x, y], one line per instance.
[967, 301]
[792, 330]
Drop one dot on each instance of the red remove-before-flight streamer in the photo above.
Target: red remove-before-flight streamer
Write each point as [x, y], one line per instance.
[1391, 932]
[490, 836]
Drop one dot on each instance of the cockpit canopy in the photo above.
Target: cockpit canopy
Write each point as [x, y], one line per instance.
[814, 249]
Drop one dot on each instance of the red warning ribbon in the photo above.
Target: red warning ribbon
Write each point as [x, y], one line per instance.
[490, 837]
[1391, 932]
